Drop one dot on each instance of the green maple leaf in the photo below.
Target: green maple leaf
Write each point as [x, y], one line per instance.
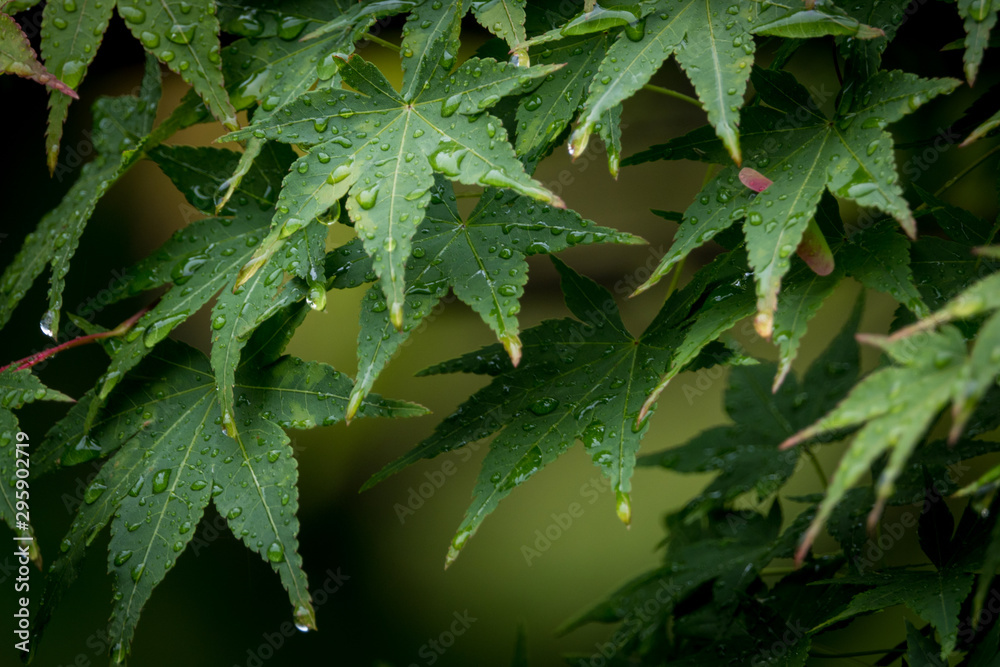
[18, 388]
[504, 18]
[481, 258]
[936, 597]
[980, 18]
[877, 256]
[745, 453]
[272, 66]
[544, 114]
[921, 651]
[204, 258]
[436, 23]
[718, 549]
[382, 148]
[983, 129]
[119, 124]
[863, 57]
[586, 379]
[183, 34]
[712, 43]
[897, 404]
[819, 20]
[170, 457]
[803, 153]
[17, 57]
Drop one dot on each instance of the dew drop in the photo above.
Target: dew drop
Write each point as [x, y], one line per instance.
[131, 14]
[276, 553]
[181, 34]
[544, 406]
[160, 480]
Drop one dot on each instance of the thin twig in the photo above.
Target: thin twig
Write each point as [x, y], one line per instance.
[817, 467]
[38, 357]
[672, 93]
[381, 42]
[965, 172]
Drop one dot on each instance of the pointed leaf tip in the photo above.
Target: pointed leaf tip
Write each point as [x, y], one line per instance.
[874, 515]
[305, 618]
[732, 143]
[815, 251]
[779, 379]
[578, 142]
[455, 548]
[355, 403]
[804, 546]
[647, 406]
[248, 270]
[763, 324]
[512, 343]
[623, 507]
[396, 315]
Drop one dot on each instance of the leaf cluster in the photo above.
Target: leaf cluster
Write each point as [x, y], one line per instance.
[803, 196]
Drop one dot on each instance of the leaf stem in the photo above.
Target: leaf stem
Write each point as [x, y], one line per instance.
[856, 654]
[381, 42]
[674, 279]
[836, 62]
[38, 357]
[811, 455]
[965, 172]
[672, 93]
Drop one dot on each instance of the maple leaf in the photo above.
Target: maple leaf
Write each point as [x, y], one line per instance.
[820, 19]
[544, 114]
[744, 452]
[712, 43]
[979, 18]
[382, 148]
[119, 124]
[935, 596]
[481, 258]
[983, 129]
[182, 34]
[803, 153]
[719, 552]
[584, 379]
[170, 457]
[435, 24]
[877, 256]
[204, 258]
[897, 404]
[272, 67]
[17, 57]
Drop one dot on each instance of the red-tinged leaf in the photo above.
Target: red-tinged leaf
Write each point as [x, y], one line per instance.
[17, 57]
[814, 250]
[754, 180]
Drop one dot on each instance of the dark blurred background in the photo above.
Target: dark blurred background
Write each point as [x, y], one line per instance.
[221, 602]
